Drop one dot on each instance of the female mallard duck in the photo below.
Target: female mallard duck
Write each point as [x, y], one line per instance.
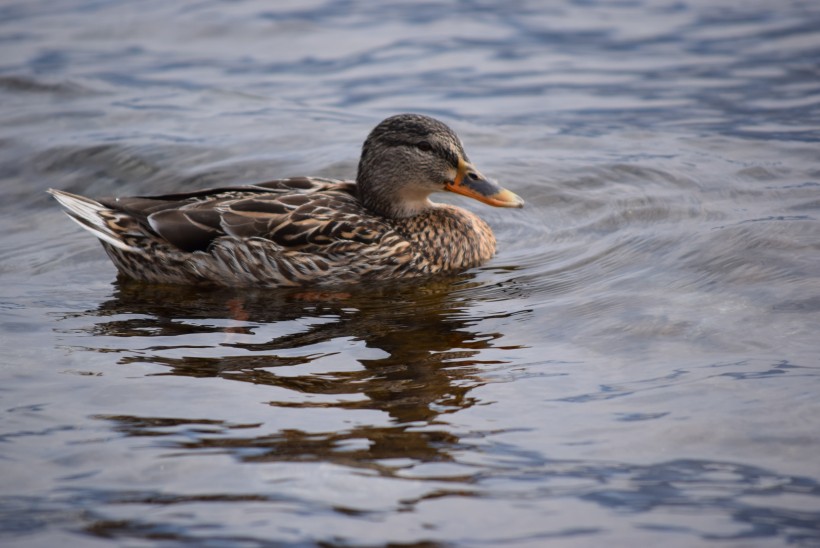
[304, 231]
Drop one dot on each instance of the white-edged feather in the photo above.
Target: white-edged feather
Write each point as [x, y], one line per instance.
[87, 214]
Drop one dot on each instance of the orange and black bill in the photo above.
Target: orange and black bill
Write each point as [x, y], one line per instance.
[470, 182]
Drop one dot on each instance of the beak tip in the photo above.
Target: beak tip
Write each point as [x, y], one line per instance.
[509, 199]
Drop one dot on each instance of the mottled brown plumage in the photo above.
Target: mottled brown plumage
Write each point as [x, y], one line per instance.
[310, 231]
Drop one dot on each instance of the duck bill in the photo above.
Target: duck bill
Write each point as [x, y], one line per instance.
[470, 182]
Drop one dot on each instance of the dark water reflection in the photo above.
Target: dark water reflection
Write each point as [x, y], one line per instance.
[425, 332]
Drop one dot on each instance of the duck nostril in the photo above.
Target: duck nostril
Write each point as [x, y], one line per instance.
[473, 176]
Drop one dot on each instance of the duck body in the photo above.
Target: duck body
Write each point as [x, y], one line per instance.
[309, 231]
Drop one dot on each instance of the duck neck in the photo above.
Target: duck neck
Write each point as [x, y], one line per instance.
[403, 204]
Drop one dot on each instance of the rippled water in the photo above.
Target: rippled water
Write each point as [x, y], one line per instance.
[638, 365]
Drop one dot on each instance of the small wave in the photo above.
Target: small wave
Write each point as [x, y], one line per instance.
[30, 84]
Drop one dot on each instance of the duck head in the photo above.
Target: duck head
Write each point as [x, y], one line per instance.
[407, 157]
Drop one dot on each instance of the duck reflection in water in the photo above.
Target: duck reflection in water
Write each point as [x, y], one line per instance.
[425, 330]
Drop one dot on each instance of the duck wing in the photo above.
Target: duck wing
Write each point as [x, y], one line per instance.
[293, 213]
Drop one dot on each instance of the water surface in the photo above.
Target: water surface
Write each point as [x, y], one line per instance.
[637, 366]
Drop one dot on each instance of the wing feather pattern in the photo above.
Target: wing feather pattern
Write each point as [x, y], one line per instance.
[281, 233]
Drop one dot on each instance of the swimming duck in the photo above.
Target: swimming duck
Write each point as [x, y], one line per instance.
[309, 230]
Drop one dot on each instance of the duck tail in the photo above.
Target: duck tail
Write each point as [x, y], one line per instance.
[92, 216]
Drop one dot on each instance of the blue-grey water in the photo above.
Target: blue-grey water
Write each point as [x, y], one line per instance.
[638, 366]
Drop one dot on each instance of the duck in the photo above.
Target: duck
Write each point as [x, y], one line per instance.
[303, 231]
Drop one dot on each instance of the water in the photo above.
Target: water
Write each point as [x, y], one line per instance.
[637, 366]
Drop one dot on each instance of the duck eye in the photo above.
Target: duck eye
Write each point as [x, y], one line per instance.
[424, 146]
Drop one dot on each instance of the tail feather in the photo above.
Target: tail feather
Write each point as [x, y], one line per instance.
[92, 216]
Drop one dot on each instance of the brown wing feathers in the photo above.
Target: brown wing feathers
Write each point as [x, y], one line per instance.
[271, 210]
[182, 229]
